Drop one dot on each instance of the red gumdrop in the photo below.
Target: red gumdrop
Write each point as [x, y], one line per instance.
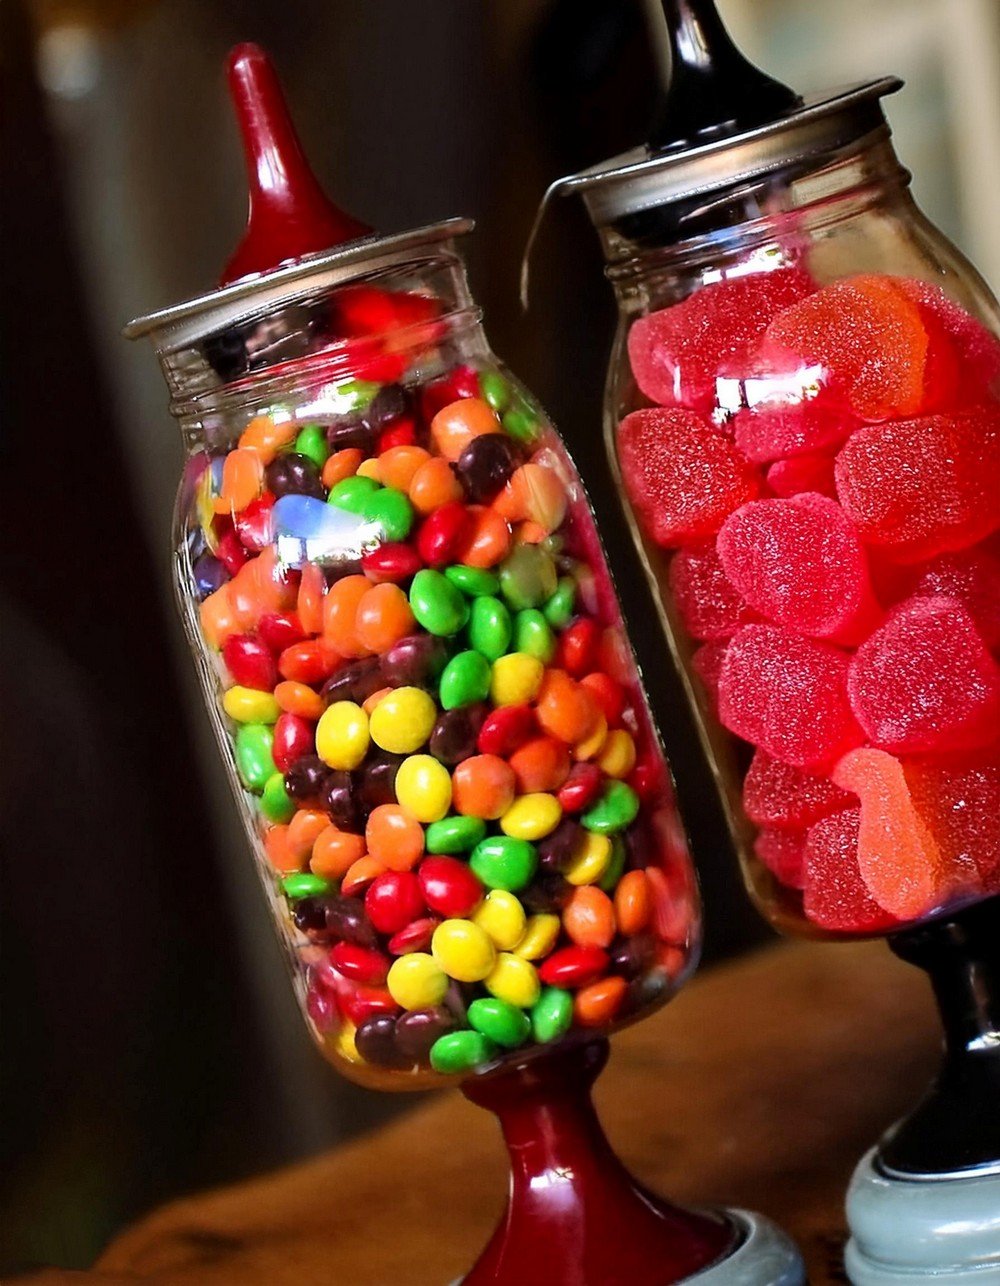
[707, 665]
[799, 562]
[864, 338]
[780, 797]
[710, 605]
[958, 799]
[901, 864]
[250, 661]
[973, 577]
[683, 477]
[976, 349]
[783, 853]
[803, 473]
[835, 896]
[678, 352]
[293, 738]
[787, 694]
[924, 681]
[923, 487]
[789, 411]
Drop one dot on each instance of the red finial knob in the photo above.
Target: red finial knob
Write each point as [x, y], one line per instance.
[290, 215]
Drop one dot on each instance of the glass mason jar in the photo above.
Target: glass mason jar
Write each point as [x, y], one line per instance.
[415, 664]
[802, 411]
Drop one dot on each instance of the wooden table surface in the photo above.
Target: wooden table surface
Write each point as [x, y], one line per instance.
[760, 1085]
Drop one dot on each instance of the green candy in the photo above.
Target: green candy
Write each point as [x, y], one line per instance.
[275, 803]
[454, 834]
[461, 1051]
[558, 611]
[528, 577]
[465, 680]
[533, 634]
[355, 395]
[609, 880]
[490, 627]
[438, 606]
[472, 581]
[502, 862]
[617, 808]
[521, 424]
[495, 390]
[305, 885]
[352, 494]
[254, 761]
[551, 1015]
[311, 442]
[392, 510]
[500, 1021]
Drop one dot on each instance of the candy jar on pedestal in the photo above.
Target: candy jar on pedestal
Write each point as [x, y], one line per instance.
[803, 414]
[415, 664]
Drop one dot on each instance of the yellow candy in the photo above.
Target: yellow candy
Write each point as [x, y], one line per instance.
[532, 816]
[539, 937]
[342, 735]
[369, 468]
[591, 860]
[501, 916]
[416, 981]
[514, 980]
[594, 743]
[344, 1044]
[402, 721]
[250, 705]
[463, 950]
[617, 757]
[423, 788]
[516, 679]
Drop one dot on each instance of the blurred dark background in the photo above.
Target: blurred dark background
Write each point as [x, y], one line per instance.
[149, 1045]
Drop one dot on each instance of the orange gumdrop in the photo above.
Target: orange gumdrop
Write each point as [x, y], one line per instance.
[361, 874]
[341, 465]
[218, 617]
[309, 605]
[383, 618]
[434, 484]
[304, 829]
[901, 864]
[456, 424]
[483, 786]
[535, 493]
[242, 481]
[278, 851]
[589, 917]
[541, 764]
[565, 709]
[394, 837]
[632, 903]
[340, 614]
[597, 1005]
[398, 465]
[489, 540]
[335, 852]
[266, 438]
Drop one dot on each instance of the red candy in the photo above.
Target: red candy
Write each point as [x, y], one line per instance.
[786, 416]
[230, 552]
[787, 694]
[280, 630]
[400, 433]
[710, 605]
[925, 681]
[803, 473]
[579, 647]
[443, 533]
[450, 887]
[776, 795]
[977, 349]
[250, 662]
[608, 693]
[360, 964]
[958, 799]
[393, 900]
[682, 475]
[973, 577]
[255, 524]
[835, 896]
[574, 967]
[505, 729]
[707, 664]
[581, 788]
[360, 1003]
[311, 662]
[414, 937]
[783, 853]
[293, 738]
[391, 562]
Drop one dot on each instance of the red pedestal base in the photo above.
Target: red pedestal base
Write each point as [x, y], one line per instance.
[575, 1216]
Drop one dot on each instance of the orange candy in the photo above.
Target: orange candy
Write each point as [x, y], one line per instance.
[312, 661]
[304, 829]
[361, 874]
[434, 484]
[394, 837]
[541, 764]
[218, 617]
[266, 438]
[340, 614]
[279, 854]
[398, 465]
[383, 618]
[632, 903]
[589, 917]
[489, 541]
[369, 703]
[483, 786]
[598, 1004]
[309, 605]
[535, 494]
[261, 586]
[335, 852]
[242, 481]
[566, 709]
[341, 465]
[456, 424]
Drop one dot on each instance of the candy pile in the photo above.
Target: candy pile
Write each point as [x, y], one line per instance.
[826, 464]
[427, 691]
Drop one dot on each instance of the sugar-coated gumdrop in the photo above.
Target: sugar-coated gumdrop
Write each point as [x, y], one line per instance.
[863, 336]
[835, 896]
[682, 475]
[778, 796]
[799, 562]
[958, 799]
[973, 577]
[783, 853]
[901, 864]
[707, 665]
[924, 681]
[976, 349]
[790, 413]
[678, 352]
[787, 694]
[710, 607]
[923, 487]
[803, 473]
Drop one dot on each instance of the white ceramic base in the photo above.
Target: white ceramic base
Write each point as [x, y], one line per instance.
[935, 1230]
[764, 1257]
